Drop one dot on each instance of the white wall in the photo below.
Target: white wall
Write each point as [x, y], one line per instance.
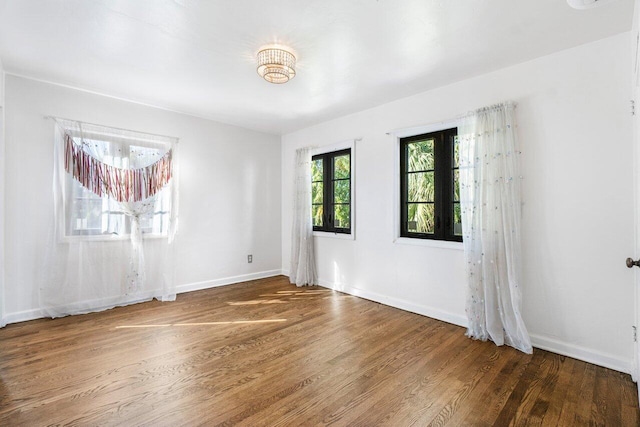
[2, 201]
[575, 127]
[1, 84]
[229, 188]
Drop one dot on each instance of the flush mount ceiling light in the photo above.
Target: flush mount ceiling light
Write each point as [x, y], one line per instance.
[276, 65]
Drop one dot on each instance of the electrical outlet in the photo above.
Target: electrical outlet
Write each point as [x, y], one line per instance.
[249, 259]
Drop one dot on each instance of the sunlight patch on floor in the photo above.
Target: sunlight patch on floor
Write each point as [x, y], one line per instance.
[232, 322]
[295, 293]
[257, 302]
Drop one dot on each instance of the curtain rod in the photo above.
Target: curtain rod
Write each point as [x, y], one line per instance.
[455, 119]
[112, 127]
[429, 125]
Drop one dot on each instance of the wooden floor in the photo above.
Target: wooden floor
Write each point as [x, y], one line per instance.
[267, 353]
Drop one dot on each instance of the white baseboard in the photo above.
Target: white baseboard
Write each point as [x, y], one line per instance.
[197, 286]
[538, 341]
[23, 316]
[424, 310]
[581, 353]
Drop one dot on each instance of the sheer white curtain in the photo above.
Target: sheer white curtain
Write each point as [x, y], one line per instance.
[491, 212]
[101, 252]
[303, 264]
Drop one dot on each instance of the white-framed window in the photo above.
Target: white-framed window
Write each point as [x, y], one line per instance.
[90, 216]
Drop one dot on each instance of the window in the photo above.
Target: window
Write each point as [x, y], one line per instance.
[88, 214]
[429, 189]
[331, 191]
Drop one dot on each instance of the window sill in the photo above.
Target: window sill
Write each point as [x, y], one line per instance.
[442, 244]
[341, 236]
[108, 238]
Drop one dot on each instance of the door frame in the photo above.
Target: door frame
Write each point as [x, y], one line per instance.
[635, 110]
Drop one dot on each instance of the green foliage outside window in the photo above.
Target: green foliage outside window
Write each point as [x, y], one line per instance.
[342, 191]
[317, 192]
[421, 186]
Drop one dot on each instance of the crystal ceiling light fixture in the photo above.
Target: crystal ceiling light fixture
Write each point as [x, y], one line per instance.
[276, 64]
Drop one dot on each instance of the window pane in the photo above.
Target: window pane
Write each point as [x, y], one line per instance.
[421, 218]
[146, 223]
[87, 215]
[317, 212]
[342, 216]
[341, 166]
[457, 220]
[154, 223]
[316, 170]
[421, 187]
[456, 185]
[341, 191]
[143, 156]
[420, 155]
[117, 223]
[317, 192]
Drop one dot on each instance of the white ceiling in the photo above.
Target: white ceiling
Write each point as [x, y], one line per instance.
[198, 56]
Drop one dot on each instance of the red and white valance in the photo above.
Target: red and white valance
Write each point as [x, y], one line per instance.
[122, 185]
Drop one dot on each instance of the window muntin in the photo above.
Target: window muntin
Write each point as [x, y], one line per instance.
[331, 191]
[429, 189]
[88, 214]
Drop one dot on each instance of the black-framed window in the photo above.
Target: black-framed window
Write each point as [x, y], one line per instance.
[429, 186]
[331, 191]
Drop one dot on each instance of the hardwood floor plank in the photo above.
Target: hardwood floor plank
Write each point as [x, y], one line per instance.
[479, 387]
[556, 398]
[541, 402]
[499, 390]
[527, 387]
[630, 415]
[573, 400]
[389, 409]
[297, 405]
[613, 399]
[583, 410]
[265, 353]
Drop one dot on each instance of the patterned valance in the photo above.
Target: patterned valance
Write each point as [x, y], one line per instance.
[122, 185]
